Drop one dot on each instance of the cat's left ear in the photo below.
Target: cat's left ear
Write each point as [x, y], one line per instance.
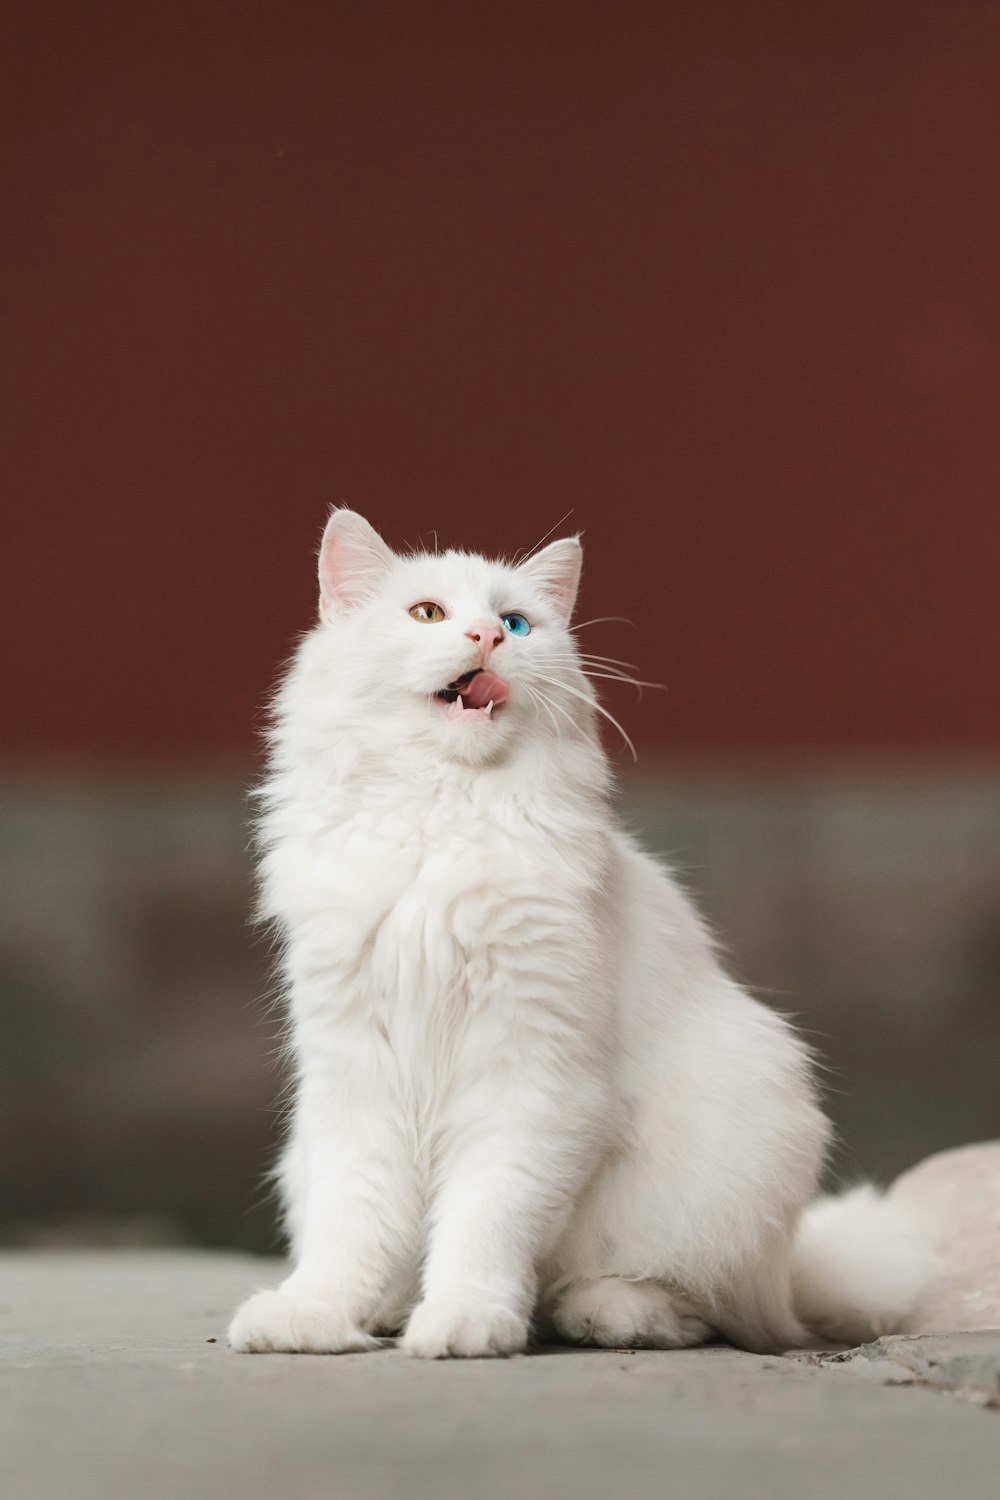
[352, 561]
[556, 571]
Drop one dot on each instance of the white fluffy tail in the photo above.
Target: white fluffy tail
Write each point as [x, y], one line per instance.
[860, 1267]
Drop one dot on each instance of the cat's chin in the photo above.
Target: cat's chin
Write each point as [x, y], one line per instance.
[471, 736]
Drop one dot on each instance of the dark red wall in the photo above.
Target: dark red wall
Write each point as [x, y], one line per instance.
[720, 277]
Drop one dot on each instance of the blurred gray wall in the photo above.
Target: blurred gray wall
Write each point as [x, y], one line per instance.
[138, 1075]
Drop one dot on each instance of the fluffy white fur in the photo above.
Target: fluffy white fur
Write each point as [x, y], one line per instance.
[525, 1090]
[860, 1266]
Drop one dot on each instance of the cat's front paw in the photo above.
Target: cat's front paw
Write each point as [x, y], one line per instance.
[464, 1330]
[289, 1322]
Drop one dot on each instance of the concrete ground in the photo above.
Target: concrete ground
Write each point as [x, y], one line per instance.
[115, 1380]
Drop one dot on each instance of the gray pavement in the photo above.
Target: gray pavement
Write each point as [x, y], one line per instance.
[115, 1381]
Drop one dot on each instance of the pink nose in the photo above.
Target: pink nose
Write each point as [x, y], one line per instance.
[486, 636]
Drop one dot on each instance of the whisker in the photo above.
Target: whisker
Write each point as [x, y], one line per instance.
[597, 707]
[610, 661]
[551, 704]
[540, 698]
[603, 620]
[638, 682]
[559, 709]
[598, 669]
[533, 698]
[583, 664]
[601, 666]
[520, 556]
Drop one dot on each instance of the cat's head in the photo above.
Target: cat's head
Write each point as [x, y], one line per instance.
[450, 654]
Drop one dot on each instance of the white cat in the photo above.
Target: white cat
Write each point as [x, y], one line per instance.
[525, 1090]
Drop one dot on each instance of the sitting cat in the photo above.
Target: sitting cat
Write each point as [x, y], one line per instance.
[525, 1091]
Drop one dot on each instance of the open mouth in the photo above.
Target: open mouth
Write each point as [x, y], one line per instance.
[474, 695]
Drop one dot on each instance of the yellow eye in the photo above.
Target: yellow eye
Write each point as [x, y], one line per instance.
[427, 613]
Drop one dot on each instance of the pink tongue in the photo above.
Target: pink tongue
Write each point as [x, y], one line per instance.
[482, 688]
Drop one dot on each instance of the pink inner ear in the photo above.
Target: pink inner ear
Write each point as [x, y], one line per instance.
[556, 570]
[352, 560]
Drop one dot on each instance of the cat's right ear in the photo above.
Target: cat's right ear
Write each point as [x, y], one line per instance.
[352, 561]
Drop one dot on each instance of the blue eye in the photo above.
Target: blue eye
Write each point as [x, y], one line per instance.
[516, 624]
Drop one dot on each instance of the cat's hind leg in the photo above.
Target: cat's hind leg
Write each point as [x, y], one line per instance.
[613, 1312]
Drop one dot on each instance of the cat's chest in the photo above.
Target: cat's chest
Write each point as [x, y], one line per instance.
[410, 904]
